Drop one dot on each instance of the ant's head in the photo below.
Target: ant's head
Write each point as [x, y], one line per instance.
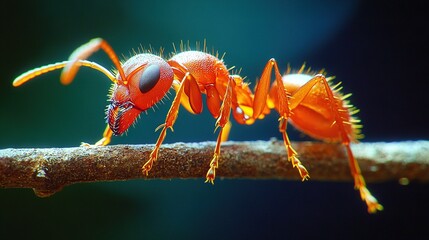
[147, 80]
[141, 81]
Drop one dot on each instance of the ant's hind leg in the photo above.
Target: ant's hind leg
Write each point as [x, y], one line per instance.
[341, 122]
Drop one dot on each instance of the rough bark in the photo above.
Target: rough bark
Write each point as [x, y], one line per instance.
[48, 170]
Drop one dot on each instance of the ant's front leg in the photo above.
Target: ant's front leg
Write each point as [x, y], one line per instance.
[107, 137]
[188, 82]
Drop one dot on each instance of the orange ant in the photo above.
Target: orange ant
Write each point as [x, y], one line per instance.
[308, 101]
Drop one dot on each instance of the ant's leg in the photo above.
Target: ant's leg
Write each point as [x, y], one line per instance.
[225, 132]
[292, 154]
[192, 99]
[296, 99]
[360, 184]
[283, 108]
[83, 52]
[365, 194]
[222, 121]
[188, 79]
[107, 137]
[262, 89]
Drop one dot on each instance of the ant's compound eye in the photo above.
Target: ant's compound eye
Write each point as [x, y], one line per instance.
[149, 78]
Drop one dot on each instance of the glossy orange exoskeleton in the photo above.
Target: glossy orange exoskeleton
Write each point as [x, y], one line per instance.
[307, 100]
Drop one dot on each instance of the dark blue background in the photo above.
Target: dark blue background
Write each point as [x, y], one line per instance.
[377, 49]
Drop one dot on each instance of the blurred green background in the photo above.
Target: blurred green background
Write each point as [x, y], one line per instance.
[378, 50]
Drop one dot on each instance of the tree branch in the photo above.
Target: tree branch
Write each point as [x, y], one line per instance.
[47, 171]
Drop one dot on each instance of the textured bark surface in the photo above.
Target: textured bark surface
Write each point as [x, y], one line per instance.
[48, 170]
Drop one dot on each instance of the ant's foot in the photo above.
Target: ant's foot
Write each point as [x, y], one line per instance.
[301, 169]
[147, 166]
[370, 200]
[210, 176]
[102, 142]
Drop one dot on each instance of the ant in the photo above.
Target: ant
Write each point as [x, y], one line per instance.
[307, 100]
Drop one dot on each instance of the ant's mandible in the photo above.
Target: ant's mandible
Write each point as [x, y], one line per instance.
[312, 105]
